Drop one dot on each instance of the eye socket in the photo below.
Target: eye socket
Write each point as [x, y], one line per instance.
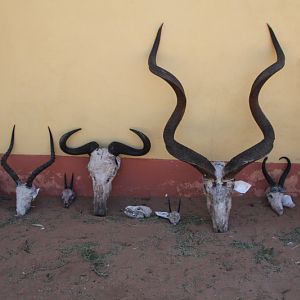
[270, 196]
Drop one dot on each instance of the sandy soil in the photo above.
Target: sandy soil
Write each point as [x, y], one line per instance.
[80, 256]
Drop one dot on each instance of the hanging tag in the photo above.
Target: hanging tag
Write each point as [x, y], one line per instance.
[241, 186]
[288, 201]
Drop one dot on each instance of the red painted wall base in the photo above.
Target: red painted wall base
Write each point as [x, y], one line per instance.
[137, 177]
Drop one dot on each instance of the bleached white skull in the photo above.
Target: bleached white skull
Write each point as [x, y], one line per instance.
[138, 211]
[68, 195]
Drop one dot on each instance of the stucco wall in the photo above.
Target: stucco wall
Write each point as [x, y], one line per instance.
[71, 63]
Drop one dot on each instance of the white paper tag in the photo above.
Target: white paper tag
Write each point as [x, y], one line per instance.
[288, 201]
[241, 186]
[162, 214]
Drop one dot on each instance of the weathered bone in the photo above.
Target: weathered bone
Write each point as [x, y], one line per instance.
[68, 195]
[173, 216]
[104, 164]
[25, 192]
[275, 192]
[218, 177]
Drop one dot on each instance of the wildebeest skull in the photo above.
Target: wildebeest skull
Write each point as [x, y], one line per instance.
[25, 192]
[68, 195]
[275, 191]
[218, 177]
[104, 164]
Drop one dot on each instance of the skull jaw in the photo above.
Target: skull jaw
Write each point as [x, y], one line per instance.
[24, 197]
[275, 201]
[219, 201]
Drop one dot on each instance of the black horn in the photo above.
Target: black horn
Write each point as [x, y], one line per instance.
[176, 149]
[85, 149]
[44, 166]
[268, 177]
[117, 148]
[265, 146]
[65, 181]
[286, 171]
[72, 182]
[4, 158]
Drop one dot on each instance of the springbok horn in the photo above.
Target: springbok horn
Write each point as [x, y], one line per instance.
[117, 148]
[4, 158]
[269, 179]
[265, 146]
[85, 149]
[179, 205]
[66, 184]
[176, 149]
[286, 171]
[72, 182]
[44, 166]
[169, 203]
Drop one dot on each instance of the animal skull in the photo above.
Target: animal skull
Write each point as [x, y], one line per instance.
[275, 192]
[25, 192]
[173, 215]
[68, 195]
[218, 177]
[104, 164]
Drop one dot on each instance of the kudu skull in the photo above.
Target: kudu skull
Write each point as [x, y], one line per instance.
[275, 191]
[26, 192]
[104, 164]
[218, 176]
[68, 195]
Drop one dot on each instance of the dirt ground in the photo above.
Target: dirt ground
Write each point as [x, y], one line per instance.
[79, 256]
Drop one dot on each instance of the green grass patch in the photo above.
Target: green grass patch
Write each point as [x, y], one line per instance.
[291, 237]
[242, 245]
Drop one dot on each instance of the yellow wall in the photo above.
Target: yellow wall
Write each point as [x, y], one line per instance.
[75, 63]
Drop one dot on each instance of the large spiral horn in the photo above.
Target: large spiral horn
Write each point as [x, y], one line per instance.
[176, 149]
[265, 146]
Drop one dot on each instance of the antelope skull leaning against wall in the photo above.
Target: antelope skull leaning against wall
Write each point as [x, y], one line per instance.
[275, 191]
[26, 192]
[218, 176]
[68, 195]
[104, 164]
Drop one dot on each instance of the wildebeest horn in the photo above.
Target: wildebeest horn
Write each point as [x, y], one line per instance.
[176, 149]
[44, 166]
[265, 146]
[85, 149]
[117, 148]
[269, 179]
[4, 158]
[286, 171]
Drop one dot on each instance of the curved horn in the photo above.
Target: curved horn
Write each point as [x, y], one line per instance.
[44, 166]
[65, 181]
[269, 179]
[85, 149]
[176, 149]
[4, 158]
[286, 171]
[72, 182]
[265, 146]
[169, 202]
[179, 205]
[117, 148]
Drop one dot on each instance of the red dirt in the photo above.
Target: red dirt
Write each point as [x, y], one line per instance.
[80, 256]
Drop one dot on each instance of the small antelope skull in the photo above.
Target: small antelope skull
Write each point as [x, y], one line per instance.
[104, 164]
[25, 192]
[275, 191]
[218, 176]
[173, 216]
[68, 195]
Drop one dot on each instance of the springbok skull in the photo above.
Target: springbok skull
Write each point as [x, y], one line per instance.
[68, 195]
[26, 192]
[275, 192]
[104, 164]
[218, 176]
[173, 216]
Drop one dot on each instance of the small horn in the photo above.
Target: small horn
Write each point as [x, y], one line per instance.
[268, 177]
[4, 158]
[117, 148]
[286, 171]
[179, 205]
[66, 184]
[72, 182]
[40, 169]
[85, 149]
